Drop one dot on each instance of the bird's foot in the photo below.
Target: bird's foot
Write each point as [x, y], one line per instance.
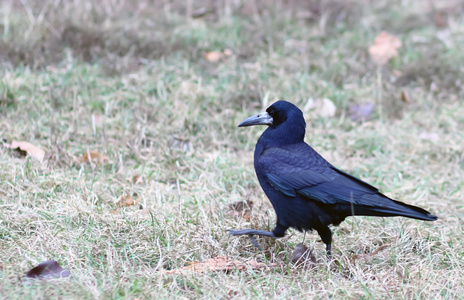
[255, 242]
[251, 232]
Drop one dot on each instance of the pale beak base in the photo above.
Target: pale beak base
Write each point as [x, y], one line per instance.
[260, 119]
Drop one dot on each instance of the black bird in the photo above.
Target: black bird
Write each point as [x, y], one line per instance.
[306, 191]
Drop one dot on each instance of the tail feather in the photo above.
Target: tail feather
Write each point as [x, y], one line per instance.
[415, 212]
[393, 209]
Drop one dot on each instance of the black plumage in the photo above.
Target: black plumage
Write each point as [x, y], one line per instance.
[306, 191]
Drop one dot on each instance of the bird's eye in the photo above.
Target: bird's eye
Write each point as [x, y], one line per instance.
[271, 111]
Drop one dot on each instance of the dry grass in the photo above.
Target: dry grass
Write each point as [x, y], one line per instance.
[130, 81]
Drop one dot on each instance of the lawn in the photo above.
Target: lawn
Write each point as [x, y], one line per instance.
[136, 105]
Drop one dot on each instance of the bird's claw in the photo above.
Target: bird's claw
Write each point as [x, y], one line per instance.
[251, 234]
[255, 242]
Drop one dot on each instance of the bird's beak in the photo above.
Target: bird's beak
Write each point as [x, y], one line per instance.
[260, 119]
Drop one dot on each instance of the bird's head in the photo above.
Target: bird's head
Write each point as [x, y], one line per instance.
[285, 121]
[275, 115]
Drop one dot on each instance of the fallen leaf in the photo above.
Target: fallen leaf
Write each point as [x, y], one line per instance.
[440, 20]
[25, 148]
[302, 255]
[405, 97]
[47, 270]
[385, 47]
[253, 264]
[220, 263]
[213, 56]
[137, 179]
[360, 112]
[93, 156]
[324, 107]
[328, 108]
[231, 294]
[126, 200]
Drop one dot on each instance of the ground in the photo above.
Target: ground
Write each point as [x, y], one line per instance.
[156, 89]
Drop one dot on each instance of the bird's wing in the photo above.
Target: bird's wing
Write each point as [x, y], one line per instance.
[299, 170]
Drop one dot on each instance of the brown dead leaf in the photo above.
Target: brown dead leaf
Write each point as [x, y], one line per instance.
[93, 156]
[137, 179]
[25, 148]
[220, 263]
[47, 270]
[215, 56]
[405, 97]
[385, 47]
[126, 200]
[440, 20]
[231, 294]
[303, 255]
[227, 52]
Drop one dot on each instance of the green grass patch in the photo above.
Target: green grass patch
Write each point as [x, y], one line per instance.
[130, 80]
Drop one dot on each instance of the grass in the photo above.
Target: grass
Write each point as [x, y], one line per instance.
[130, 81]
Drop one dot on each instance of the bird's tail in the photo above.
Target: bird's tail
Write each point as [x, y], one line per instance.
[394, 209]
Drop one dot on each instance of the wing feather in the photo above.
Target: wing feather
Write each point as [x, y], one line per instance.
[299, 170]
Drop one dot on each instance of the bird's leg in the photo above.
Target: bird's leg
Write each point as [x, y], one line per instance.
[326, 236]
[255, 242]
[329, 250]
